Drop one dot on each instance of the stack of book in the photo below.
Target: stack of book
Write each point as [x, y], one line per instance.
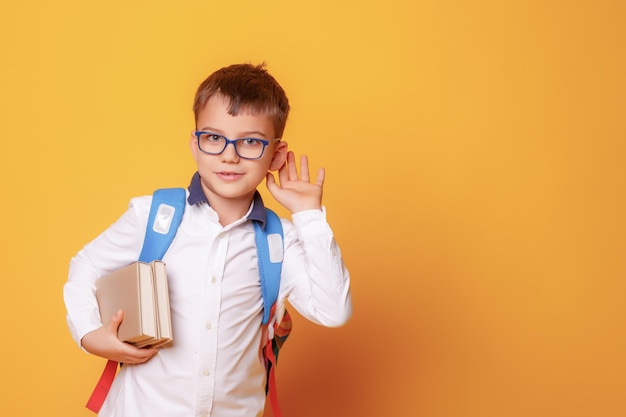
[140, 290]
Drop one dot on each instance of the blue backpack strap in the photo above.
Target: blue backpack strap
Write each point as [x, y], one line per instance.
[269, 243]
[166, 213]
[270, 250]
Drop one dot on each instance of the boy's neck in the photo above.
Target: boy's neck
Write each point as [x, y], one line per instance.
[230, 210]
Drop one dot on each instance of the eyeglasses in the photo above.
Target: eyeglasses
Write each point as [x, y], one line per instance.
[246, 148]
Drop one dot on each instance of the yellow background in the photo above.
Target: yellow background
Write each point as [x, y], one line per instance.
[475, 181]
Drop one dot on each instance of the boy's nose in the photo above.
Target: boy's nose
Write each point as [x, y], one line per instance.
[229, 154]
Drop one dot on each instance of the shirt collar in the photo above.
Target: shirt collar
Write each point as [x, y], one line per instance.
[197, 196]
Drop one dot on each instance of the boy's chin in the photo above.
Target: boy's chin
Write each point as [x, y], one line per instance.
[228, 192]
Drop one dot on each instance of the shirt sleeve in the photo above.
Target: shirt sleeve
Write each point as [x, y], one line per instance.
[116, 247]
[314, 278]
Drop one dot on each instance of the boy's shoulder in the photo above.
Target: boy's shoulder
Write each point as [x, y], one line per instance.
[145, 200]
[141, 204]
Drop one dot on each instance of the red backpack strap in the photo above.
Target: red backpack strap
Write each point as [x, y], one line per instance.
[103, 386]
[275, 339]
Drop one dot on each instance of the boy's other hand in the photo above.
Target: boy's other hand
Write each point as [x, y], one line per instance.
[296, 192]
[103, 342]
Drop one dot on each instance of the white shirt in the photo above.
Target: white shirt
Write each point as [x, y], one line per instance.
[213, 367]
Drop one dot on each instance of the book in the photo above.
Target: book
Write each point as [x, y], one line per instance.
[162, 294]
[141, 291]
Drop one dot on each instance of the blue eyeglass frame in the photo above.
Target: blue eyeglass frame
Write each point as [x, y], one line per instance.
[198, 133]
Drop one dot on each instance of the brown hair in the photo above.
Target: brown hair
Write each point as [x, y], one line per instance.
[248, 88]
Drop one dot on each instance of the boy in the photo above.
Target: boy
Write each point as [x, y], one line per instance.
[213, 367]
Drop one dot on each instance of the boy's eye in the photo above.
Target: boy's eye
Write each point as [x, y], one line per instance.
[213, 138]
[250, 142]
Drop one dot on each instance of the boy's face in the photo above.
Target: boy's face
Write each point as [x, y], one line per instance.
[227, 176]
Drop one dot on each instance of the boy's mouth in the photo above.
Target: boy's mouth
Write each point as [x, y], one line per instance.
[228, 176]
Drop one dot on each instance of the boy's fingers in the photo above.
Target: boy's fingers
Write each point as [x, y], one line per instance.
[293, 171]
[139, 355]
[321, 173]
[304, 168]
[283, 175]
[146, 353]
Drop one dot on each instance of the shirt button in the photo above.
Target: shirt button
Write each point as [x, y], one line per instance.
[209, 326]
[206, 372]
[213, 280]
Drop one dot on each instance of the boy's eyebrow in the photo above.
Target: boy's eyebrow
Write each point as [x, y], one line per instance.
[210, 129]
[242, 135]
[254, 133]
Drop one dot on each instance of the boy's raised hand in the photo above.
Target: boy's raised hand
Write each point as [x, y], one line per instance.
[296, 192]
[103, 342]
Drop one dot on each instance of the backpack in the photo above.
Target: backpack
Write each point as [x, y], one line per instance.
[166, 213]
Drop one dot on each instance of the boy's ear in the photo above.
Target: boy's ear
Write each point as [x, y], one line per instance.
[280, 156]
[193, 145]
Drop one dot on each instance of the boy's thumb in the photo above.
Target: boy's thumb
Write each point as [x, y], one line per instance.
[116, 320]
[270, 182]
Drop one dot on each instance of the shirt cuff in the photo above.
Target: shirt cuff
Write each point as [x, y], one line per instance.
[312, 224]
[309, 218]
